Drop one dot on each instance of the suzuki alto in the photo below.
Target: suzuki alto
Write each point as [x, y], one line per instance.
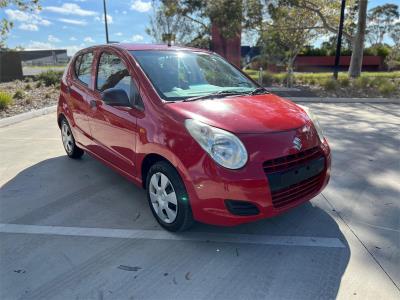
[204, 140]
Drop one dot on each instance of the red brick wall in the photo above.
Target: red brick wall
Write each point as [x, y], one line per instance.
[315, 63]
[228, 48]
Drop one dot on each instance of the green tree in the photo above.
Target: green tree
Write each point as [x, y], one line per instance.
[393, 59]
[289, 32]
[358, 41]
[381, 22]
[327, 14]
[6, 25]
[395, 34]
[166, 25]
[231, 17]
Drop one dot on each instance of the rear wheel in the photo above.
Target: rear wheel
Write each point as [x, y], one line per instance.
[73, 151]
[168, 199]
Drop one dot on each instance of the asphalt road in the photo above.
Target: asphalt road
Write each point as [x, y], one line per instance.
[77, 230]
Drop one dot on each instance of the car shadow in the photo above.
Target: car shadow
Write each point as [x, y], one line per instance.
[64, 192]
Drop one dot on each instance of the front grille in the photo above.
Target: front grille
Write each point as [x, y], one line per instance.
[297, 191]
[295, 176]
[287, 162]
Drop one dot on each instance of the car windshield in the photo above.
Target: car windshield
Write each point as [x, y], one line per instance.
[180, 75]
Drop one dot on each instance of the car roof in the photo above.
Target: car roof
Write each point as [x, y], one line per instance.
[132, 47]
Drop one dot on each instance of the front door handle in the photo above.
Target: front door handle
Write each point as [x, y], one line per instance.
[93, 103]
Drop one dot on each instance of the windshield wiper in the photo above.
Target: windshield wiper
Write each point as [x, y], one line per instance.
[258, 91]
[215, 94]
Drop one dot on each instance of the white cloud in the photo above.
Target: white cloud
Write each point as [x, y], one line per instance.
[71, 50]
[72, 38]
[17, 15]
[45, 22]
[28, 27]
[88, 39]
[73, 22]
[137, 38]
[109, 19]
[119, 34]
[53, 39]
[30, 21]
[39, 45]
[124, 12]
[70, 9]
[140, 6]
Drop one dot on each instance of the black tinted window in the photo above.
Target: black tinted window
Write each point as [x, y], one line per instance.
[112, 73]
[83, 67]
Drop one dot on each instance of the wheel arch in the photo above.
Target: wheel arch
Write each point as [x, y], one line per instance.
[149, 160]
[60, 117]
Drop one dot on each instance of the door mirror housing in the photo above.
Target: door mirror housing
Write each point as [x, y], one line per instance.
[115, 97]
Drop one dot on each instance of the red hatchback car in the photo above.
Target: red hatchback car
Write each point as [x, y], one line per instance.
[205, 141]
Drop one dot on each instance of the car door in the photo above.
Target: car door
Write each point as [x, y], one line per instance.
[78, 88]
[114, 128]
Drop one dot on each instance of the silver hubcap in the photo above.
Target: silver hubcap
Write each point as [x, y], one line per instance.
[163, 197]
[66, 136]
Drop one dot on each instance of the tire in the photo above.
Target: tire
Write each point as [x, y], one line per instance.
[70, 147]
[162, 184]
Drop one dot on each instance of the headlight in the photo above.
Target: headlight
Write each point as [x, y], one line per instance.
[315, 121]
[224, 147]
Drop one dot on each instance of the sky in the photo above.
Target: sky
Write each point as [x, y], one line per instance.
[75, 24]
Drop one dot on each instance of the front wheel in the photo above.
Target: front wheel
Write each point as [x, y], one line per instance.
[73, 151]
[168, 198]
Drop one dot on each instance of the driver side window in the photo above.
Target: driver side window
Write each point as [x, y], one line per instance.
[112, 73]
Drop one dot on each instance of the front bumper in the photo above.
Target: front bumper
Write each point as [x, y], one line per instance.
[209, 185]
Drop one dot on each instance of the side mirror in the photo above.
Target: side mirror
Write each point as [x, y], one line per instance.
[116, 97]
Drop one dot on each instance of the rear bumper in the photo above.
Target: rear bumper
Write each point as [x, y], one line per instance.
[210, 186]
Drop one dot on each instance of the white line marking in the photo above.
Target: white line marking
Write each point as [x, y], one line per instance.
[164, 235]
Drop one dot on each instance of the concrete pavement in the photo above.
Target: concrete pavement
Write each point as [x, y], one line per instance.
[75, 229]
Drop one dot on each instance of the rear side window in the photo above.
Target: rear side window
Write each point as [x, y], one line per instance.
[112, 73]
[83, 67]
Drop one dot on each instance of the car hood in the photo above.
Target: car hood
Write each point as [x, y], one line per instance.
[245, 114]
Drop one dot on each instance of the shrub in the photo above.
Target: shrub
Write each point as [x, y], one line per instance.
[386, 88]
[18, 94]
[329, 84]
[380, 50]
[50, 77]
[361, 82]
[344, 82]
[377, 81]
[38, 84]
[279, 78]
[5, 100]
[267, 78]
[47, 96]
[28, 87]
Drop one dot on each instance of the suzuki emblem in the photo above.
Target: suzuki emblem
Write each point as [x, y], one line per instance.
[297, 144]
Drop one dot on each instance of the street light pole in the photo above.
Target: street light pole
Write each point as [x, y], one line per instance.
[105, 20]
[339, 40]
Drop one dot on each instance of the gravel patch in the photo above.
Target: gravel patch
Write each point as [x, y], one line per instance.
[33, 96]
